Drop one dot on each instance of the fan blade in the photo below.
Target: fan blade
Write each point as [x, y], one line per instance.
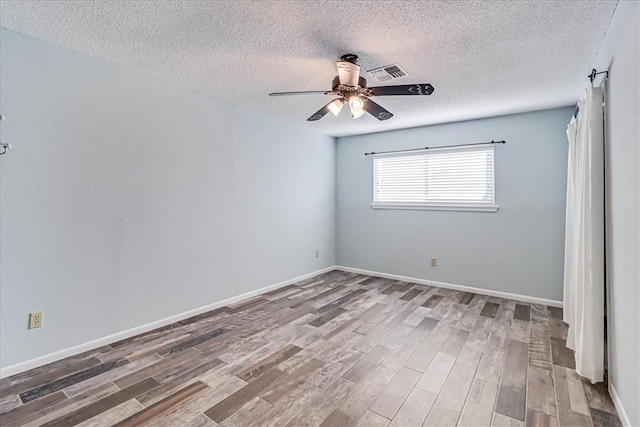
[320, 113]
[308, 92]
[417, 89]
[376, 110]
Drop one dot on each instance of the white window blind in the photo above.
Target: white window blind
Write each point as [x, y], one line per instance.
[447, 178]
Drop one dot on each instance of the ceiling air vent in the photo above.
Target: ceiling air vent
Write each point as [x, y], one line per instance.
[387, 73]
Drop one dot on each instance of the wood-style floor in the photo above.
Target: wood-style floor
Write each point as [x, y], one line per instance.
[335, 350]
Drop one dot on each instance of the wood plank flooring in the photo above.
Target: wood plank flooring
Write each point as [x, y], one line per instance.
[338, 349]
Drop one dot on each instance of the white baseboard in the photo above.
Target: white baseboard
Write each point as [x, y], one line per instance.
[80, 348]
[624, 418]
[517, 297]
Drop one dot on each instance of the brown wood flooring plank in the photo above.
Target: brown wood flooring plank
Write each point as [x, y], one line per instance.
[454, 342]
[338, 419]
[37, 380]
[319, 297]
[541, 395]
[598, 397]
[289, 383]
[490, 309]
[466, 298]
[13, 416]
[232, 403]
[248, 413]
[365, 365]
[557, 328]
[540, 419]
[294, 314]
[150, 345]
[411, 294]
[166, 363]
[281, 290]
[567, 417]
[173, 378]
[347, 326]
[54, 366]
[330, 315]
[539, 345]
[604, 418]
[456, 387]
[194, 341]
[203, 316]
[254, 371]
[393, 287]
[241, 306]
[145, 336]
[432, 301]
[64, 407]
[168, 403]
[478, 408]
[322, 404]
[104, 404]
[512, 394]
[562, 355]
[342, 300]
[64, 382]
[522, 312]
[369, 280]
[554, 312]
[394, 395]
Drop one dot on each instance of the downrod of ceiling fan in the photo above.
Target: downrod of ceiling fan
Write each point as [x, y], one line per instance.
[350, 57]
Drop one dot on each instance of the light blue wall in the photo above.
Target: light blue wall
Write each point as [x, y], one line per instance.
[519, 249]
[620, 54]
[126, 200]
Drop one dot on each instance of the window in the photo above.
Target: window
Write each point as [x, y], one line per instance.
[441, 178]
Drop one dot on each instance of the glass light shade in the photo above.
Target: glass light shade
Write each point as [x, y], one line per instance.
[335, 106]
[357, 113]
[355, 104]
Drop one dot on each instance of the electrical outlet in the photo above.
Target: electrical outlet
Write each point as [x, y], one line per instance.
[434, 261]
[317, 253]
[35, 319]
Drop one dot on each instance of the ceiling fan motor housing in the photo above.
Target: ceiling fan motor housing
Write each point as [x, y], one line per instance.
[362, 82]
[349, 57]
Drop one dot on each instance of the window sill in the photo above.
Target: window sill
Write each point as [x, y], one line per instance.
[438, 207]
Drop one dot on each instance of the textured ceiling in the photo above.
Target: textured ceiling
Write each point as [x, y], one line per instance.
[483, 58]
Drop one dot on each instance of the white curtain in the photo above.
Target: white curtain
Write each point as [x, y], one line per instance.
[584, 237]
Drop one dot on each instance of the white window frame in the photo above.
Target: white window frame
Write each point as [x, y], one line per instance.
[489, 206]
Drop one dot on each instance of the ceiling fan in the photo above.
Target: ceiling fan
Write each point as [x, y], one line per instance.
[352, 89]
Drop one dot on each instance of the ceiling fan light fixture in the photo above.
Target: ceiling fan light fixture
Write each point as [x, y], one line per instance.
[335, 106]
[356, 105]
[350, 87]
[357, 114]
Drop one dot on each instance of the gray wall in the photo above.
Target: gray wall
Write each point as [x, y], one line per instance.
[620, 54]
[126, 200]
[519, 249]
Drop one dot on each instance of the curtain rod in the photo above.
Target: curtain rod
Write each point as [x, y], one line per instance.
[431, 148]
[592, 77]
[594, 73]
